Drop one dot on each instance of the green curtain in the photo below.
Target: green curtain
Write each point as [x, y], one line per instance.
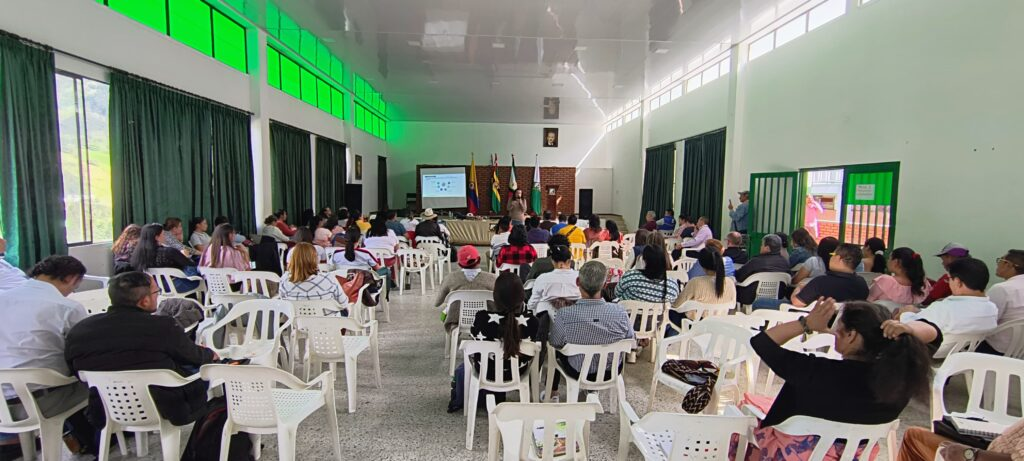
[704, 177]
[330, 173]
[382, 183]
[291, 169]
[233, 194]
[31, 183]
[160, 144]
[658, 171]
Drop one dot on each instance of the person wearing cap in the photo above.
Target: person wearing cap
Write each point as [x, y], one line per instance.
[429, 227]
[1008, 297]
[738, 214]
[469, 278]
[949, 253]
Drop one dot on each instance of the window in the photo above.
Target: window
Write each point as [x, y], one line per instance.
[370, 122]
[191, 24]
[290, 77]
[709, 74]
[791, 30]
[693, 83]
[762, 46]
[677, 91]
[152, 13]
[85, 158]
[825, 12]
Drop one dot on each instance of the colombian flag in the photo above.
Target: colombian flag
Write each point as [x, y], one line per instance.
[495, 187]
[472, 202]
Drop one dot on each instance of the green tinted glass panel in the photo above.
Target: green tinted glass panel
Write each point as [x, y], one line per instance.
[289, 32]
[152, 13]
[229, 42]
[338, 104]
[323, 93]
[308, 86]
[337, 71]
[289, 76]
[323, 58]
[309, 44]
[869, 188]
[359, 116]
[273, 68]
[273, 20]
[190, 24]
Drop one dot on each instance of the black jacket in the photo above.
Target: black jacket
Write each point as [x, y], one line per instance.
[771, 262]
[128, 338]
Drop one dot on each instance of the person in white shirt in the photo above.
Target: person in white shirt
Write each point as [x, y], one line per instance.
[702, 235]
[501, 233]
[409, 222]
[554, 289]
[36, 318]
[1008, 297]
[10, 276]
[967, 311]
[355, 257]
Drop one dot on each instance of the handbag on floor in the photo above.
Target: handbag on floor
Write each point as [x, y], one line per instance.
[204, 442]
[701, 374]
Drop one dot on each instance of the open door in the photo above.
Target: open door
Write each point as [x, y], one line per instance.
[869, 202]
[773, 206]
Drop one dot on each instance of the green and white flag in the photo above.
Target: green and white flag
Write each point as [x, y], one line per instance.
[535, 193]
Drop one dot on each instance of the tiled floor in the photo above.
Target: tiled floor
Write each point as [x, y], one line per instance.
[406, 420]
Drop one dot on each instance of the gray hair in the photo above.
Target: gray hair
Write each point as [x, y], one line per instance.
[773, 242]
[650, 214]
[734, 238]
[592, 277]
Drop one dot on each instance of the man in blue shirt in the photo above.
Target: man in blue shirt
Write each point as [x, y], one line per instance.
[561, 223]
[739, 214]
[667, 223]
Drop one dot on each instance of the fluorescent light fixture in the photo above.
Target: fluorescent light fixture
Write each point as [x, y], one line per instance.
[498, 45]
[660, 50]
[580, 48]
[618, 85]
[414, 43]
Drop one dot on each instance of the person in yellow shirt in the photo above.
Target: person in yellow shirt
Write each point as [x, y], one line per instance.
[359, 220]
[573, 233]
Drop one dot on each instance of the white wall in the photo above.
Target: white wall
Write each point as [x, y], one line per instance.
[624, 146]
[450, 143]
[933, 84]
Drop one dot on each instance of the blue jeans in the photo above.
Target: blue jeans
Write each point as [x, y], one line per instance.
[677, 319]
[183, 285]
[765, 303]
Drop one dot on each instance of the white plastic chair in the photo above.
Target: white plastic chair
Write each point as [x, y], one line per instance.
[647, 320]
[95, 301]
[329, 252]
[282, 249]
[819, 345]
[474, 381]
[50, 429]
[990, 380]
[769, 284]
[306, 308]
[266, 329]
[256, 282]
[725, 344]
[700, 311]
[629, 239]
[773, 318]
[679, 275]
[328, 345]
[129, 407]
[684, 263]
[688, 437]
[470, 302]
[437, 252]
[613, 263]
[512, 426]
[414, 261]
[579, 253]
[605, 250]
[513, 268]
[830, 431]
[541, 249]
[257, 406]
[218, 280]
[956, 343]
[165, 282]
[1015, 329]
[608, 359]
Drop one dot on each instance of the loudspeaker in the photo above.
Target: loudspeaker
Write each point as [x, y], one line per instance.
[586, 202]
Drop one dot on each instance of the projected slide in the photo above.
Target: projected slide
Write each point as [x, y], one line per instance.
[443, 187]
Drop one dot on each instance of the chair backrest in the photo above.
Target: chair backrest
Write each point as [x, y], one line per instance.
[684, 264]
[470, 302]
[420, 240]
[256, 282]
[94, 301]
[126, 394]
[324, 332]
[954, 343]
[218, 280]
[645, 317]
[613, 263]
[496, 379]
[19, 379]
[605, 250]
[990, 382]
[629, 239]
[831, 431]
[606, 357]
[670, 243]
[579, 252]
[726, 344]
[313, 307]
[513, 268]
[282, 249]
[773, 317]
[1015, 330]
[329, 252]
[229, 301]
[702, 310]
[249, 392]
[266, 319]
[679, 275]
[516, 423]
[541, 248]
[818, 345]
[165, 279]
[414, 259]
[691, 437]
[381, 253]
[434, 249]
[769, 283]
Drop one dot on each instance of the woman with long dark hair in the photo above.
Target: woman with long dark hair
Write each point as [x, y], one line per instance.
[907, 284]
[501, 233]
[874, 255]
[817, 265]
[593, 232]
[124, 246]
[872, 384]
[613, 231]
[713, 287]
[150, 253]
[518, 252]
[305, 235]
[804, 247]
[222, 253]
[354, 256]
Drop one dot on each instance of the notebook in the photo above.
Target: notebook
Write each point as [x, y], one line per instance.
[977, 427]
[560, 435]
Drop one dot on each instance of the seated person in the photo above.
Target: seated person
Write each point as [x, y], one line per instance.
[391, 221]
[590, 321]
[649, 284]
[469, 278]
[323, 234]
[305, 235]
[10, 276]
[949, 253]
[573, 233]
[639, 243]
[874, 255]
[804, 247]
[562, 222]
[1008, 297]
[501, 232]
[712, 287]
[429, 227]
[518, 252]
[967, 310]
[151, 253]
[240, 239]
[816, 266]
[409, 222]
[907, 284]
[282, 223]
[506, 321]
[37, 316]
[124, 246]
[613, 231]
[303, 280]
[840, 283]
[379, 236]
[536, 234]
[544, 264]
[174, 235]
[873, 383]
[221, 251]
[356, 217]
[594, 233]
[920, 444]
[198, 239]
[649, 223]
[716, 245]
[555, 289]
[668, 222]
[685, 229]
[354, 256]
[271, 230]
[129, 337]
[548, 222]
[770, 260]
[734, 248]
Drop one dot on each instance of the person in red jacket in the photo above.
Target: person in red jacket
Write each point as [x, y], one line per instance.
[282, 223]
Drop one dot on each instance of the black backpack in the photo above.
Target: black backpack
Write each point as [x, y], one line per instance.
[204, 443]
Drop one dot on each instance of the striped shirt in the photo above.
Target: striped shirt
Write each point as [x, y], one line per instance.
[317, 286]
[635, 286]
[590, 322]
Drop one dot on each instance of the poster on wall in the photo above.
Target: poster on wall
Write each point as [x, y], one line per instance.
[551, 107]
[359, 167]
[551, 137]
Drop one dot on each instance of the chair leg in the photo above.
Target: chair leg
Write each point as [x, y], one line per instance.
[28, 445]
[472, 397]
[574, 391]
[625, 435]
[654, 388]
[613, 400]
[286, 443]
[375, 350]
[332, 415]
[493, 437]
[122, 443]
[142, 443]
[104, 453]
[453, 352]
[424, 275]
[401, 281]
[50, 434]
[350, 382]
[170, 442]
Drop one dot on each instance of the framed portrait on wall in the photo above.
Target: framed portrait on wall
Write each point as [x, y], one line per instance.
[551, 137]
[359, 167]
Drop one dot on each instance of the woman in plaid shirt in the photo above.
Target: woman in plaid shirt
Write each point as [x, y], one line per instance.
[518, 252]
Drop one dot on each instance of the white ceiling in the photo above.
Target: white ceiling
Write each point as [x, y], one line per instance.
[496, 60]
